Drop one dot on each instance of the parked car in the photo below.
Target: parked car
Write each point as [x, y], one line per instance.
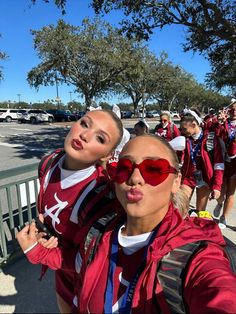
[153, 114]
[79, 114]
[126, 114]
[174, 115]
[35, 116]
[62, 115]
[21, 115]
[8, 115]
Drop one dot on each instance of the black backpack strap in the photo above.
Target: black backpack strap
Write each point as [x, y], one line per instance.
[210, 142]
[95, 233]
[46, 162]
[172, 130]
[171, 273]
[230, 250]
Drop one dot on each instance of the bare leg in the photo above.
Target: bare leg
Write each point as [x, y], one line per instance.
[229, 200]
[64, 307]
[203, 194]
[221, 199]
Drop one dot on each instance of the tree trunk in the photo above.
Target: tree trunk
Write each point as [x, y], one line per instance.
[135, 104]
[88, 102]
[171, 102]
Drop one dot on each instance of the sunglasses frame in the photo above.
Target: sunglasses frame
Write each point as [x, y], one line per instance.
[154, 179]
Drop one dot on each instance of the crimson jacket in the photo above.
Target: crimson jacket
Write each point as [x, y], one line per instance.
[209, 285]
[212, 164]
[230, 143]
[169, 132]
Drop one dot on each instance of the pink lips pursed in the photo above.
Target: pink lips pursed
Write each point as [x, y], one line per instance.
[134, 195]
[76, 144]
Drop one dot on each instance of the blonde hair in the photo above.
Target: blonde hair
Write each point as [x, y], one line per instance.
[181, 201]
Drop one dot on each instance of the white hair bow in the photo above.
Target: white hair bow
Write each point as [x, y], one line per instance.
[194, 114]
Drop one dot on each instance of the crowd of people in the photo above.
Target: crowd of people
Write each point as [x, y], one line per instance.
[208, 162]
[120, 223]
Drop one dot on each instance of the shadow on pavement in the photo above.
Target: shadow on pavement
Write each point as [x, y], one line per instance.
[21, 289]
[233, 228]
[39, 142]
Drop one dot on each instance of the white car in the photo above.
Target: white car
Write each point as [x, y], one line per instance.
[153, 114]
[174, 115]
[8, 115]
[35, 116]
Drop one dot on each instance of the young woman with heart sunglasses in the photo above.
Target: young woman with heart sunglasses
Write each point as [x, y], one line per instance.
[122, 276]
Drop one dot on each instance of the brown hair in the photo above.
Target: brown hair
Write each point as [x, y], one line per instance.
[118, 123]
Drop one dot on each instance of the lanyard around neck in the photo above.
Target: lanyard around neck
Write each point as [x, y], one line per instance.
[127, 299]
[231, 131]
[194, 151]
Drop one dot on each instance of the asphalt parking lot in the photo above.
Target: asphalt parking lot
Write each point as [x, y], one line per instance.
[22, 144]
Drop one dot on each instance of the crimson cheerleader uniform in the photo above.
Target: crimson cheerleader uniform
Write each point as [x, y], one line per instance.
[168, 131]
[198, 158]
[209, 122]
[228, 131]
[70, 201]
[209, 285]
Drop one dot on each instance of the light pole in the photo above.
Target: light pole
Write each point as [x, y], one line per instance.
[19, 99]
[57, 99]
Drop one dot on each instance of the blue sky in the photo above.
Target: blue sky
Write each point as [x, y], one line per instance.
[17, 17]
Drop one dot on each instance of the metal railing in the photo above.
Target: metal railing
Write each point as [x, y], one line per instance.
[17, 206]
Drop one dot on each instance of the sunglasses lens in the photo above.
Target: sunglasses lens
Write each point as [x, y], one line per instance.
[155, 172]
[120, 171]
[112, 170]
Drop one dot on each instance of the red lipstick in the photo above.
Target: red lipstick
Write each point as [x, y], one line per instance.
[134, 195]
[76, 144]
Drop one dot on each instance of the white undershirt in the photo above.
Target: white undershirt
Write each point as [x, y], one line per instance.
[131, 244]
[72, 177]
[196, 136]
[233, 122]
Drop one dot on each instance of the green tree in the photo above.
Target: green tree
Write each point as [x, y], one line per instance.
[105, 105]
[3, 56]
[210, 24]
[139, 81]
[172, 83]
[90, 57]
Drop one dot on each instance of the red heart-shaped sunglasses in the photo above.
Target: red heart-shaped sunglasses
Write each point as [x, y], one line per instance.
[154, 172]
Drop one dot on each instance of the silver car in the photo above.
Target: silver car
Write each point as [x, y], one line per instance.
[35, 116]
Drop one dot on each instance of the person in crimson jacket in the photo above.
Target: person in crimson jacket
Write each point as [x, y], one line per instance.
[166, 128]
[203, 165]
[210, 119]
[73, 194]
[122, 277]
[228, 134]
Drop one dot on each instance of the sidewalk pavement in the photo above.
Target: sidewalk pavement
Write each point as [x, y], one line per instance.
[22, 292]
